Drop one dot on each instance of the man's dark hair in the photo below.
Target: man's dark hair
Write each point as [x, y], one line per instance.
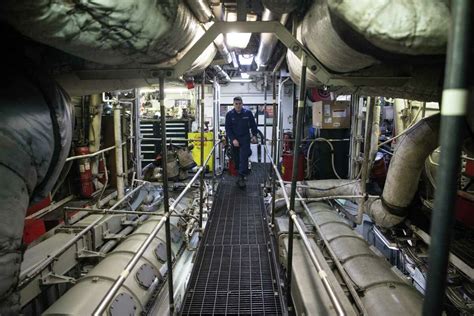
[238, 99]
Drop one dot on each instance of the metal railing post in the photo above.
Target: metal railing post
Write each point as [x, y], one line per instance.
[296, 152]
[453, 111]
[274, 148]
[201, 180]
[265, 94]
[164, 161]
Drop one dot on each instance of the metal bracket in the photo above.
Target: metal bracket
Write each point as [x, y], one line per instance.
[53, 278]
[85, 253]
[109, 236]
[325, 76]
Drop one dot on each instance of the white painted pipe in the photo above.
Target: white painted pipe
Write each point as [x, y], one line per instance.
[118, 152]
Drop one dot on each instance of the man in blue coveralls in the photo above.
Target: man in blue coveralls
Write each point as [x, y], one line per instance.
[238, 122]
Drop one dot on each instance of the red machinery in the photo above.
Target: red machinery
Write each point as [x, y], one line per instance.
[87, 188]
[287, 166]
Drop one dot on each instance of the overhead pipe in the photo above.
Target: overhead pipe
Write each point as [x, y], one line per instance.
[453, 113]
[268, 41]
[221, 74]
[402, 179]
[204, 14]
[281, 6]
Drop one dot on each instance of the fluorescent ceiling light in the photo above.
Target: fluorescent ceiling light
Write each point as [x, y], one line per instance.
[244, 75]
[236, 39]
[245, 60]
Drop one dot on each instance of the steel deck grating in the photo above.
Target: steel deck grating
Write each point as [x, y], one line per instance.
[233, 272]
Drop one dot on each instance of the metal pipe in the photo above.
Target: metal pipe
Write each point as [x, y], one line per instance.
[201, 10]
[265, 95]
[118, 152]
[280, 116]
[164, 161]
[93, 154]
[322, 274]
[274, 148]
[268, 41]
[298, 128]
[201, 182]
[124, 152]
[365, 164]
[453, 112]
[137, 134]
[336, 261]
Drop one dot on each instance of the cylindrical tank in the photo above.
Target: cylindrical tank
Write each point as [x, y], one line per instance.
[287, 167]
[85, 172]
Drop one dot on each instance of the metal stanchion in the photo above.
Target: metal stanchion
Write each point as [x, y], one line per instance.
[201, 181]
[164, 161]
[453, 112]
[296, 152]
[274, 148]
[265, 85]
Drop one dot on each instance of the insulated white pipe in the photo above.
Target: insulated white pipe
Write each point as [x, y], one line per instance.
[118, 152]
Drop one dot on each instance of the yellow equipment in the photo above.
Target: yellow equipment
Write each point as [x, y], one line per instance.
[196, 137]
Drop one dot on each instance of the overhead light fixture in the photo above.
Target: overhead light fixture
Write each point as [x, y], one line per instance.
[246, 60]
[236, 39]
[244, 75]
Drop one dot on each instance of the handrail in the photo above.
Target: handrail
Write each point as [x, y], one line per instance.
[136, 257]
[36, 269]
[319, 269]
[92, 154]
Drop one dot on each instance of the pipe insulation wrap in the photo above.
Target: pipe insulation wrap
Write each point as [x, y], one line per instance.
[35, 139]
[110, 32]
[408, 162]
[280, 6]
[402, 179]
[371, 274]
[319, 35]
[400, 26]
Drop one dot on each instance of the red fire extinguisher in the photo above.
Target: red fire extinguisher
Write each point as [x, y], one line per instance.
[87, 188]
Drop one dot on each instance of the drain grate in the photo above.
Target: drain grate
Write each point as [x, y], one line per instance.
[234, 274]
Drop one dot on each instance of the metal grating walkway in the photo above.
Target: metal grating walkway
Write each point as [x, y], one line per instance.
[234, 272]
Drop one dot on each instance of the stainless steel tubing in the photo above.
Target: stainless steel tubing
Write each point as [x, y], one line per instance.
[201, 182]
[93, 154]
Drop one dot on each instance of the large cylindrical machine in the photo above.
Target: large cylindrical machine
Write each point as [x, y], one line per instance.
[144, 280]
